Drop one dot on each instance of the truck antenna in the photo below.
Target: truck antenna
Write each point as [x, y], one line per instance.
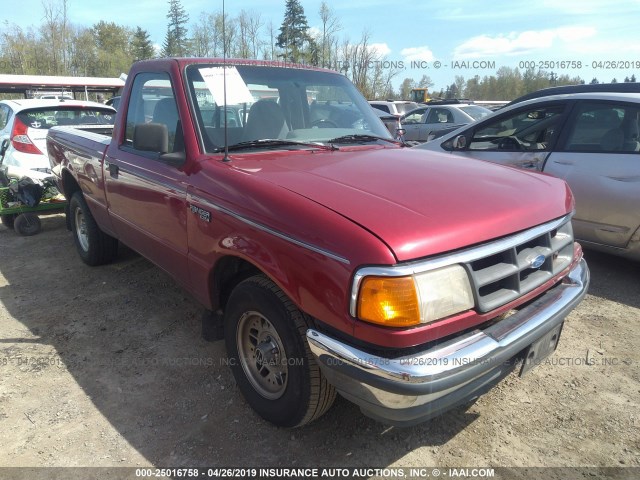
[224, 84]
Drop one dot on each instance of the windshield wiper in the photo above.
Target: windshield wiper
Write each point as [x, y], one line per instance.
[361, 138]
[274, 143]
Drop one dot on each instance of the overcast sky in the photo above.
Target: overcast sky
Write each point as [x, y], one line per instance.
[446, 38]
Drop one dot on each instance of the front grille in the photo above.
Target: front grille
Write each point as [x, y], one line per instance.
[512, 272]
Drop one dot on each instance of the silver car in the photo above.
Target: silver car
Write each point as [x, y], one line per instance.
[423, 121]
[592, 140]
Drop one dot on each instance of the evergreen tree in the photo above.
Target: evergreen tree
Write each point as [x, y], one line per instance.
[176, 42]
[141, 46]
[294, 32]
[112, 41]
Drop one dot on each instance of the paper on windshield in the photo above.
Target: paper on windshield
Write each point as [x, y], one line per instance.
[237, 90]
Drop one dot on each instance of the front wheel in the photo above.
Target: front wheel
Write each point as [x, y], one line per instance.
[94, 246]
[269, 355]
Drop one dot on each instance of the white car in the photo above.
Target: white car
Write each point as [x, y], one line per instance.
[25, 123]
[394, 107]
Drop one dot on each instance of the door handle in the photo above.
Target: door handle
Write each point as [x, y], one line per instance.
[113, 169]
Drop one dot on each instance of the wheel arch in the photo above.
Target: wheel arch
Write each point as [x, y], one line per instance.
[69, 184]
[226, 274]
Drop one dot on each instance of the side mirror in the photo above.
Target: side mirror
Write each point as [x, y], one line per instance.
[175, 159]
[154, 137]
[400, 132]
[460, 142]
[151, 137]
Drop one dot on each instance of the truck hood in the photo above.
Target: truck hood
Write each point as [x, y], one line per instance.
[419, 203]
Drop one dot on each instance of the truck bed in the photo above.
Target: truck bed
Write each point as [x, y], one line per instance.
[85, 140]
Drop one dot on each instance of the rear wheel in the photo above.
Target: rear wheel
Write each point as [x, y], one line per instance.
[94, 246]
[269, 355]
[27, 224]
[67, 216]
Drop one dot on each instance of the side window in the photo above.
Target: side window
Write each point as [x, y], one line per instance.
[531, 129]
[5, 113]
[440, 115]
[152, 101]
[384, 108]
[604, 127]
[414, 117]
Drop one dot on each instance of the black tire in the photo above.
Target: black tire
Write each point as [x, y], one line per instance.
[27, 224]
[94, 246]
[67, 217]
[260, 314]
[7, 220]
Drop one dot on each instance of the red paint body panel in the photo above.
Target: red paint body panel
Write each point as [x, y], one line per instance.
[307, 219]
[418, 205]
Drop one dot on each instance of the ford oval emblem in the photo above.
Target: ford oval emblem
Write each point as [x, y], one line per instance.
[537, 261]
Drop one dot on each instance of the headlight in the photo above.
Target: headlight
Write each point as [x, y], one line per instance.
[414, 299]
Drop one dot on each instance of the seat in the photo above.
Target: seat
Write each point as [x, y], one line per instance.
[612, 140]
[265, 120]
[632, 137]
[64, 121]
[89, 120]
[166, 112]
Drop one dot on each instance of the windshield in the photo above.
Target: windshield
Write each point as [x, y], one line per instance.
[45, 118]
[476, 112]
[269, 103]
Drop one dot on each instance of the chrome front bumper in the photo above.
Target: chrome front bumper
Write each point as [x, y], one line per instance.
[412, 389]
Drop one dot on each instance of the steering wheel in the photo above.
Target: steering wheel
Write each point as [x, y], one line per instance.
[324, 123]
[509, 143]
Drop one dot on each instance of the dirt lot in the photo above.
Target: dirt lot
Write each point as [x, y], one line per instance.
[106, 367]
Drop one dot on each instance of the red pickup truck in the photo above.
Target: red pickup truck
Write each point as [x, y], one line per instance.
[333, 259]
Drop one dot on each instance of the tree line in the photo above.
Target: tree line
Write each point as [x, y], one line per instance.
[507, 84]
[107, 49]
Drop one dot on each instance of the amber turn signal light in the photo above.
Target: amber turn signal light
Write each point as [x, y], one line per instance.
[389, 301]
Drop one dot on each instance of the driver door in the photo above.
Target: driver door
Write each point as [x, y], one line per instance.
[439, 118]
[147, 197]
[521, 138]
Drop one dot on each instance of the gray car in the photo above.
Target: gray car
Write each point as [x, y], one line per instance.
[592, 140]
[423, 121]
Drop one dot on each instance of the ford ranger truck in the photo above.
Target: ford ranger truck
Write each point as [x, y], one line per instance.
[334, 259]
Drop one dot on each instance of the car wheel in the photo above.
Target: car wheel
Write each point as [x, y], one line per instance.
[27, 224]
[269, 355]
[7, 220]
[67, 216]
[94, 246]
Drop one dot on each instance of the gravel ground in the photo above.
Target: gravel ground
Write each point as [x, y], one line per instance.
[106, 367]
